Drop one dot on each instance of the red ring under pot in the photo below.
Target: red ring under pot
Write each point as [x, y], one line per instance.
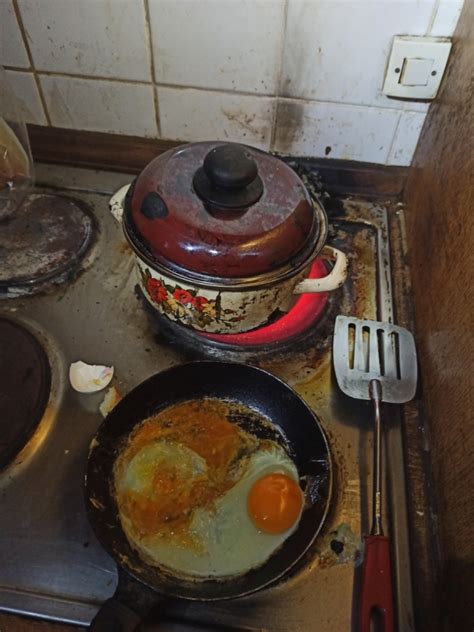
[224, 235]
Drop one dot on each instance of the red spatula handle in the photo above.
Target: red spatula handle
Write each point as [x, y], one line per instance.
[376, 592]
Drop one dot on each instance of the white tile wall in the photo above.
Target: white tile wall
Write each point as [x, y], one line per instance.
[98, 105]
[104, 38]
[337, 50]
[221, 66]
[446, 17]
[222, 44]
[190, 114]
[25, 89]
[335, 130]
[12, 48]
[406, 138]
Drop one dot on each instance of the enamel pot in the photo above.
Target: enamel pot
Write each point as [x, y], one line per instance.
[224, 236]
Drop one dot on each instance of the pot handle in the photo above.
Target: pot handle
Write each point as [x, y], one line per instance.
[333, 280]
[116, 202]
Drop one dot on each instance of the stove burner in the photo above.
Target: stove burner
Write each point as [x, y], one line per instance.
[25, 380]
[43, 242]
[279, 336]
[306, 311]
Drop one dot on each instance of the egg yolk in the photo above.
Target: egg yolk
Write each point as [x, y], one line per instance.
[274, 503]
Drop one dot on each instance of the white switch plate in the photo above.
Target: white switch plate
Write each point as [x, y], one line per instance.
[416, 66]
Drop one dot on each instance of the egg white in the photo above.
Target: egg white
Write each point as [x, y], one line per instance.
[229, 542]
[137, 476]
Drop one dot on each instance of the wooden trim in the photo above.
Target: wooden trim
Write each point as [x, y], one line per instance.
[349, 177]
[95, 150]
[421, 505]
[113, 152]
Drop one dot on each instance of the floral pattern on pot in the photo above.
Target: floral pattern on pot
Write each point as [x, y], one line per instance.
[186, 305]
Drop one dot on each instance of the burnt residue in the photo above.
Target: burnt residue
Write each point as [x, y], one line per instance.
[44, 242]
[340, 546]
[315, 480]
[337, 546]
[289, 124]
[334, 207]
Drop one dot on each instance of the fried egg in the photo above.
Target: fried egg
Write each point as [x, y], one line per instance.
[206, 512]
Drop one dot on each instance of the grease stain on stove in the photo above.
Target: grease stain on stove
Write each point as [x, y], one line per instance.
[340, 546]
[54, 247]
[123, 248]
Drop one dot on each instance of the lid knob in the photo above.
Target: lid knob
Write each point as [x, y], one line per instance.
[228, 178]
[230, 167]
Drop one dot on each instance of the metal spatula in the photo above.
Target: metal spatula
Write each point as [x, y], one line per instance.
[375, 361]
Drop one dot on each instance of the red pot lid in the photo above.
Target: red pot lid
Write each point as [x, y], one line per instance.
[221, 209]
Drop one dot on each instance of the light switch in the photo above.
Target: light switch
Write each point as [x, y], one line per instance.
[416, 66]
[416, 72]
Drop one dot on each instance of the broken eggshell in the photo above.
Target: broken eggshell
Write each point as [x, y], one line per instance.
[89, 378]
[111, 399]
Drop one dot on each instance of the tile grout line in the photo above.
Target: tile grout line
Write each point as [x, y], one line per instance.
[152, 66]
[69, 75]
[279, 78]
[434, 13]
[72, 75]
[259, 95]
[32, 69]
[393, 139]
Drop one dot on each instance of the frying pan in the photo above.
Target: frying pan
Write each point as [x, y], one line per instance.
[141, 586]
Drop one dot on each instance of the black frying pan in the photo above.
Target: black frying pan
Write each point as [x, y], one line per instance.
[295, 426]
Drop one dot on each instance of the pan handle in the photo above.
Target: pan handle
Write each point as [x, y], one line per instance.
[128, 607]
[114, 616]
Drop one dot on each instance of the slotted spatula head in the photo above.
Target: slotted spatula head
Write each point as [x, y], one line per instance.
[366, 350]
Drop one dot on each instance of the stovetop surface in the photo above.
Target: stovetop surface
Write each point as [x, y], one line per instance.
[52, 565]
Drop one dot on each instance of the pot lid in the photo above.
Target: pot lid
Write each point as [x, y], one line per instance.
[221, 209]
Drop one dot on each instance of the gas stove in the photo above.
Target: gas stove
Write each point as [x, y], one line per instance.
[52, 565]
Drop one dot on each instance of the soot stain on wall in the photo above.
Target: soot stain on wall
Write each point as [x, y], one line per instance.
[290, 119]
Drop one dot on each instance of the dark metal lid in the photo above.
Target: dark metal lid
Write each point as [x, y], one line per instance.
[221, 210]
